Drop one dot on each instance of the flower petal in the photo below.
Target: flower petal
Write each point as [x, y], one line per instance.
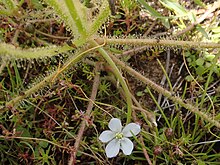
[132, 127]
[112, 148]
[115, 125]
[127, 146]
[106, 136]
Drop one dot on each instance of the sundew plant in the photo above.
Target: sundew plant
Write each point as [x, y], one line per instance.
[70, 76]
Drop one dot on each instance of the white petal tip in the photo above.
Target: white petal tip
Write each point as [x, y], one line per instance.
[155, 124]
[106, 136]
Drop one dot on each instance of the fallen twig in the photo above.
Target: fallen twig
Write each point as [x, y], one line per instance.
[95, 86]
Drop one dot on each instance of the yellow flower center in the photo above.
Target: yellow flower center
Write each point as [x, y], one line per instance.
[119, 135]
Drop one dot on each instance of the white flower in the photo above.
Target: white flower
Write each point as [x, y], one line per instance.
[118, 138]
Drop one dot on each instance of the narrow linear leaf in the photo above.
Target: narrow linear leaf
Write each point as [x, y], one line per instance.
[174, 6]
[101, 18]
[4, 12]
[73, 14]
[200, 3]
[10, 4]
[78, 14]
[202, 30]
[155, 14]
[74, 58]
[11, 52]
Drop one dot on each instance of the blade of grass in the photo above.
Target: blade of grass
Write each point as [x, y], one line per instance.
[154, 13]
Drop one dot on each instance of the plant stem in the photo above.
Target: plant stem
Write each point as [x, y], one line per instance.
[120, 78]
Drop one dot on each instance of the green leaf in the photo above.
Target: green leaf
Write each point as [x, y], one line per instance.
[129, 4]
[188, 54]
[175, 6]
[8, 7]
[10, 4]
[13, 52]
[37, 4]
[209, 57]
[189, 78]
[29, 145]
[202, 30]
[78, 15]
[155, 14]
[73, 14]
[114, 50]
[43, 144]
[24, 132]
[216, 29]
[36, 152]
[140, 93]
[208, 64]
[200, 3]
[200, 70]
[216, 69]
[200, 61]
[100, 19]
[192, 16]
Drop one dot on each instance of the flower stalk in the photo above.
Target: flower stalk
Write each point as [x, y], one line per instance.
[120, 78]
